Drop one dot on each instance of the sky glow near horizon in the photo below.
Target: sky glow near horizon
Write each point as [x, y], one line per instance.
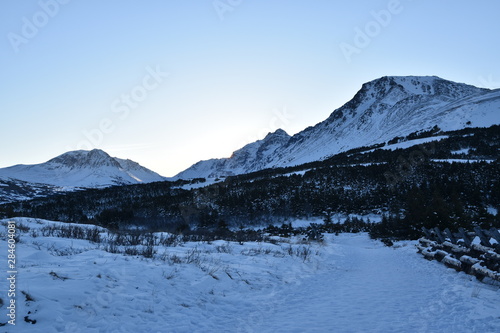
[169, 83]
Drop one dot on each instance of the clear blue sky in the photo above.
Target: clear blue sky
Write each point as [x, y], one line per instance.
[170, 82]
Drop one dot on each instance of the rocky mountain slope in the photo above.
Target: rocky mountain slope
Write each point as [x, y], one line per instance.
[381, 110]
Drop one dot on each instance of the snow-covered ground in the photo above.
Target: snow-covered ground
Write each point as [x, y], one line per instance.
[460, 160]
[348, 284]
[411, 143]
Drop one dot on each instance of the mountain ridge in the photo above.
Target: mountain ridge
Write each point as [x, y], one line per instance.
[382, 109]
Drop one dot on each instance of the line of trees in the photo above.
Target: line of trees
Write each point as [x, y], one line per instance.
[446, 195]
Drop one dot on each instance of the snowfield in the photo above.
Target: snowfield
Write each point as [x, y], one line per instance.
[349, 283]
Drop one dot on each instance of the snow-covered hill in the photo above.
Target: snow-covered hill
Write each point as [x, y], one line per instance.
[82, 168]
[249, 158]
[349, 283]
[381, 110]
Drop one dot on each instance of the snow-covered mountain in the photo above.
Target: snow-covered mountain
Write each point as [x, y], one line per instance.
[81, 168]
[381, 110]
[249, 158]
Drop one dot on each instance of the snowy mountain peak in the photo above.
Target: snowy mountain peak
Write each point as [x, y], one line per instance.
[381, 110]
[82, 168]
[278, 133]
[379, 95]
[278, 137]
[253, 156]
[84, 159]
[422, 85]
